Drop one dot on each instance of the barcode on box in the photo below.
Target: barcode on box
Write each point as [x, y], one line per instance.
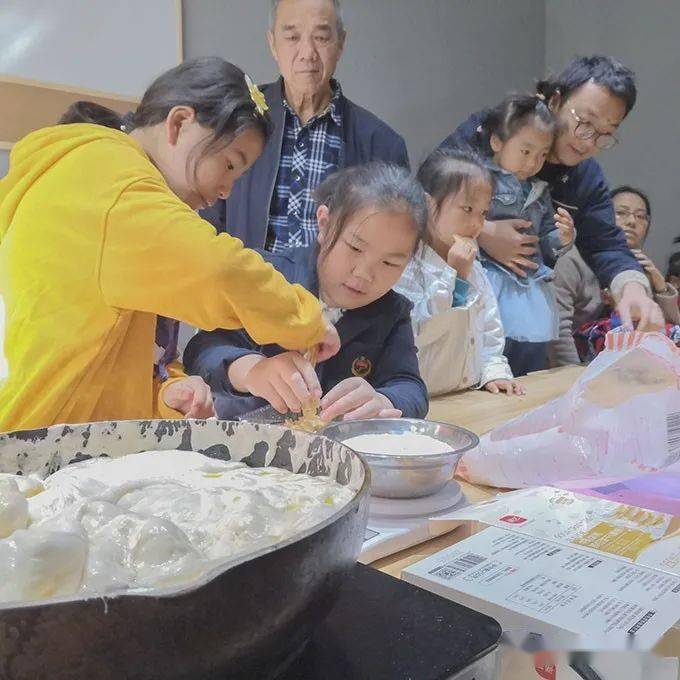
[673, 433]
[635, 628]
[459, 566]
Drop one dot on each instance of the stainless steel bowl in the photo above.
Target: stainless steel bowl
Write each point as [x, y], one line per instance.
[411, 476]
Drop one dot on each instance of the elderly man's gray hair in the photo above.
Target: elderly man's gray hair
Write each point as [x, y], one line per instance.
[338, 16]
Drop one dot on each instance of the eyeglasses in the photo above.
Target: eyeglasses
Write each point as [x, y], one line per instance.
[639, 216]
[586, 130]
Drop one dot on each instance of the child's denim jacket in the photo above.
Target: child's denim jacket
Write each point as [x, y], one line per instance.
[509, 202]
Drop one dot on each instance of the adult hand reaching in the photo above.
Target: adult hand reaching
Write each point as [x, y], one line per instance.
[636, 305]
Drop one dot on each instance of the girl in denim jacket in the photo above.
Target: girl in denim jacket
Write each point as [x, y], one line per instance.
[517, 135]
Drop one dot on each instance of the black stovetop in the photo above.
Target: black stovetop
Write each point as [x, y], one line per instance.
[382, 628]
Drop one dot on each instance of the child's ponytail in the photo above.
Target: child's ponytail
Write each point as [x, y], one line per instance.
[221, 95]
[512, 114]
[89, 112]
[545, 89]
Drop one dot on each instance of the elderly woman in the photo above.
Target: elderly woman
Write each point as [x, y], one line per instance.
[579, 297]
[316, 130]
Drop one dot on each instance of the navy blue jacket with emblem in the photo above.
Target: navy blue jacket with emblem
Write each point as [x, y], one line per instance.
[583, 191]
[378, 336]
[245, 214]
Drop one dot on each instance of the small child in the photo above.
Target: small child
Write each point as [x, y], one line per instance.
[371, 220]
[458, 329]
[518, 135]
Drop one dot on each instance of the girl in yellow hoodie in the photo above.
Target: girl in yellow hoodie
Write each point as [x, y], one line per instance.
[99, 235]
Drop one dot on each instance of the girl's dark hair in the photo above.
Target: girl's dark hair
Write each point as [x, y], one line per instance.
[383, 186]
[625, 189]
[604, 71]
[447, 171]
[215, 89]
[673, 263]
[511, 115]
[89, 112]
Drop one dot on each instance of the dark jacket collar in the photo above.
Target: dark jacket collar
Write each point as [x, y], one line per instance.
[354, 322]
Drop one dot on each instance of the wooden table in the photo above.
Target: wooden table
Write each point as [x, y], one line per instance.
[481, 411]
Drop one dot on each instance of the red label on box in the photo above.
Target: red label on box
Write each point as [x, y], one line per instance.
[513, 519]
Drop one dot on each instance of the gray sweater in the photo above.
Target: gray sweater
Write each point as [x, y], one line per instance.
[579, 301]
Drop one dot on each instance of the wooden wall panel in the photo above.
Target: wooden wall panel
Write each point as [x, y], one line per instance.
[27, 105]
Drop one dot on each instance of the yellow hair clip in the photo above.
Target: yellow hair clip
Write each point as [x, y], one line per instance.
[257, 96]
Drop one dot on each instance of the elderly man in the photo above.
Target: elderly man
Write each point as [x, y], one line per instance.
[316, 131]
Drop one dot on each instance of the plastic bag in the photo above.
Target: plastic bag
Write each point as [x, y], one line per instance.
[621, 418]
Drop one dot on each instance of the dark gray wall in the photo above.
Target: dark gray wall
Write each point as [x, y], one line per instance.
[421, 65]
[645, 37]
[424, 65]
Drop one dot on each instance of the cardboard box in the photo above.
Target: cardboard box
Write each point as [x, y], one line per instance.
[632, 534]
[560, 571]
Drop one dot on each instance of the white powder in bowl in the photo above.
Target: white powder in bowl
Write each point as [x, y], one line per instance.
[404, 444]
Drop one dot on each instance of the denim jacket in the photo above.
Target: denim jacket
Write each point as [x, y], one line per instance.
[508, 202]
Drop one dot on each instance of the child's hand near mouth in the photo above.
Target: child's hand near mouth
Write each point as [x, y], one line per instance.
[461, 256]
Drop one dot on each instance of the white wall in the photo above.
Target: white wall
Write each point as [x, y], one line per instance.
[116, 47]
[645, 37]
[421, 65]
[4, 162]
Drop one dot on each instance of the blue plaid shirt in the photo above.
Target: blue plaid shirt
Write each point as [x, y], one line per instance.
[309, 153]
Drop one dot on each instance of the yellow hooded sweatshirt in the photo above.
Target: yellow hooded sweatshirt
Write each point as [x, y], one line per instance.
[94, 245]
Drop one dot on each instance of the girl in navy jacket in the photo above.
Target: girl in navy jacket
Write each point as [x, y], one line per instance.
[371, 221]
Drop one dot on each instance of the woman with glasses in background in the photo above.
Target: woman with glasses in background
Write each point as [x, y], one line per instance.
[585, 309]
[590, 98]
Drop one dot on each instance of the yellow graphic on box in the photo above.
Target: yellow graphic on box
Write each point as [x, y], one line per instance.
[616, 540]
[639, 516]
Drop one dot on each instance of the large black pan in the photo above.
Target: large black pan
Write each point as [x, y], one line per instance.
[245, 619]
